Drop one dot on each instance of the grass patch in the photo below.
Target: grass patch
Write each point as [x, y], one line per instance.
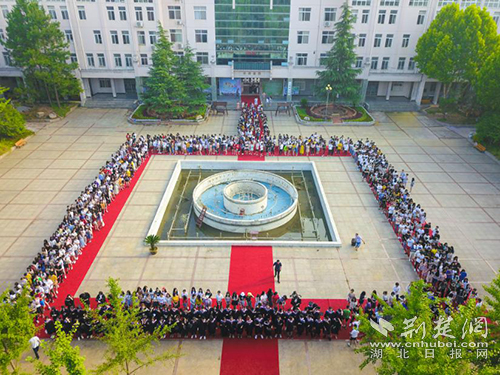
[63, 110]
[7, 143]
[364, 118]
[141, 113]
[303, 114]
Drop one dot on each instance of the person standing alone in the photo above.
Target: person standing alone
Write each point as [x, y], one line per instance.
[35, 345]
[277, 269]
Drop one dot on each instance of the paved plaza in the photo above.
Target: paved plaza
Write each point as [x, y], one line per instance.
[457, 186]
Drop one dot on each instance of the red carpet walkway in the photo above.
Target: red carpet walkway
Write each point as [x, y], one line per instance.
[250, 270]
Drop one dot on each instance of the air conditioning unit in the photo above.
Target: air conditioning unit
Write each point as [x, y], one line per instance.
[139, 24]
[179, 46]
[328, 24]
[179, 22]
[367, 61]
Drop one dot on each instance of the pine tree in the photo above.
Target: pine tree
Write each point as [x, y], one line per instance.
[190, 73]
[340, 72]
[39, 48]
[164, 91]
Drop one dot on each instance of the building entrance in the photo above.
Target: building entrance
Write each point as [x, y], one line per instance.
[250, 86]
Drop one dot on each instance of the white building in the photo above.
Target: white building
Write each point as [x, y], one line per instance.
[272, 46]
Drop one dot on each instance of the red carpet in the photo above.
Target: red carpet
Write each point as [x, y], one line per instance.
[76, 276]
[250, 357]
[250, 99]
[252, 157]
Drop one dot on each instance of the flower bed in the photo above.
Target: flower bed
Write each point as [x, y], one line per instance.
[306, 117]
[141, 116]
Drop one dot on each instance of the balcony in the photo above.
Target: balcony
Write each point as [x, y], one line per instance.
[242, 65]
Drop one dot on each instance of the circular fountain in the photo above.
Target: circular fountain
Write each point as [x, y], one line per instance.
[240, 201]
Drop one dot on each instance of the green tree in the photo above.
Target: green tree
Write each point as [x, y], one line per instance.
[419, 323]
[488, 83]
[190, 73]
[488, 129]
[491, 364]
[62, 355]
[16, 328]
[39, 48]
[340, 72]
[129, 347]
[456, 45]
[11, 121]
[164, 91]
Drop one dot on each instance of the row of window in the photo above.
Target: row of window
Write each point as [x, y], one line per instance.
[326, 38]
[389, 38]
[174, 13]
[301, 60]
[119, 62]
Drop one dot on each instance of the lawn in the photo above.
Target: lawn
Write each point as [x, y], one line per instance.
[364, 118]
[7, 143]
[140, 113]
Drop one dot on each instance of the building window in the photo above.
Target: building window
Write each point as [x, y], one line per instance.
[123, 13]
[114, 37]
[144, 59]
[111, 13]
[330, 14]
[126, 37]
[118, 60]
[152, 37]
[421, 17]
[359, 62]
[496, 17]
[302, 37]
[364, 16]
[202, 57]
[81, 12]
[176, 36]
[378, 40]
[419, 3]
[52, 12]
[2, 35]
[304, 14]
[361, 40]
[361, 3]
[69, 35]
[104, 83]
[354, 15]
[327, 37]
[301, 59]
[8, 60]
[388, 40]
[392, 17]
[411, 64]
[90, 60]
[389, 3]
[64, 13]
[406, 40]
[179, 54]
[101, 60]
[322, 59]
[128, 61]
[5, 11]
[468, 3]
[151, 13]
[401, 63]
[374, 63]
[200, 13]
[141, 37]
[174, 12]
[97, 37]
[381, 16]
[385, 63]
[74, 58]
[492, 3]
[138, 14]
[201, 36]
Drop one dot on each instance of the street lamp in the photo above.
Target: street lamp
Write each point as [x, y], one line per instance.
[328, 89]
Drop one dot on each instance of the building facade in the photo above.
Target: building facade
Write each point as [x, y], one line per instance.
[245, 46]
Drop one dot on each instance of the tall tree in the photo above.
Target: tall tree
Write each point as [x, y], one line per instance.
[488, 83]
[491, 364]
[340, 72]
[39, 48]
[62, 355]
[129, 347]
[424, 338]
[164, 91]
[16, 328]
[11, 121]
[456, 45]
[190, 73]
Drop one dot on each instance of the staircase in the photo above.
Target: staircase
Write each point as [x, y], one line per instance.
[199, 220]
[110, 103]
[392, 106]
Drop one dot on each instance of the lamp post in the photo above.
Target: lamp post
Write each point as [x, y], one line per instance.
[328, 89]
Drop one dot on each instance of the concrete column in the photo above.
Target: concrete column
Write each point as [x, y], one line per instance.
[113, 89]
[389, 89]
[420, 91]
[289, 90]
[83, 95]
[436, 93]
[214, 87]
[138, 87]
[86, 87]
[364, 87]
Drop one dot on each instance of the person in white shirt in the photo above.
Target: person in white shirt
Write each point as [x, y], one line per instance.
[35, 345]
[353, 339]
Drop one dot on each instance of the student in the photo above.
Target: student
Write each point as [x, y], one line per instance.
[353, 339]
[358, 241]
[277, 269]
[35, 345]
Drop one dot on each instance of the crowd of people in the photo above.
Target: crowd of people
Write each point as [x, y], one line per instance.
[433, 260]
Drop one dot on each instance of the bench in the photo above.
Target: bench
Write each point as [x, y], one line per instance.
[219, 107]
[480, 147]
[20, 143]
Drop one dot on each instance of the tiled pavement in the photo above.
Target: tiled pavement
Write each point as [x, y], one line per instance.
[458, 187]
